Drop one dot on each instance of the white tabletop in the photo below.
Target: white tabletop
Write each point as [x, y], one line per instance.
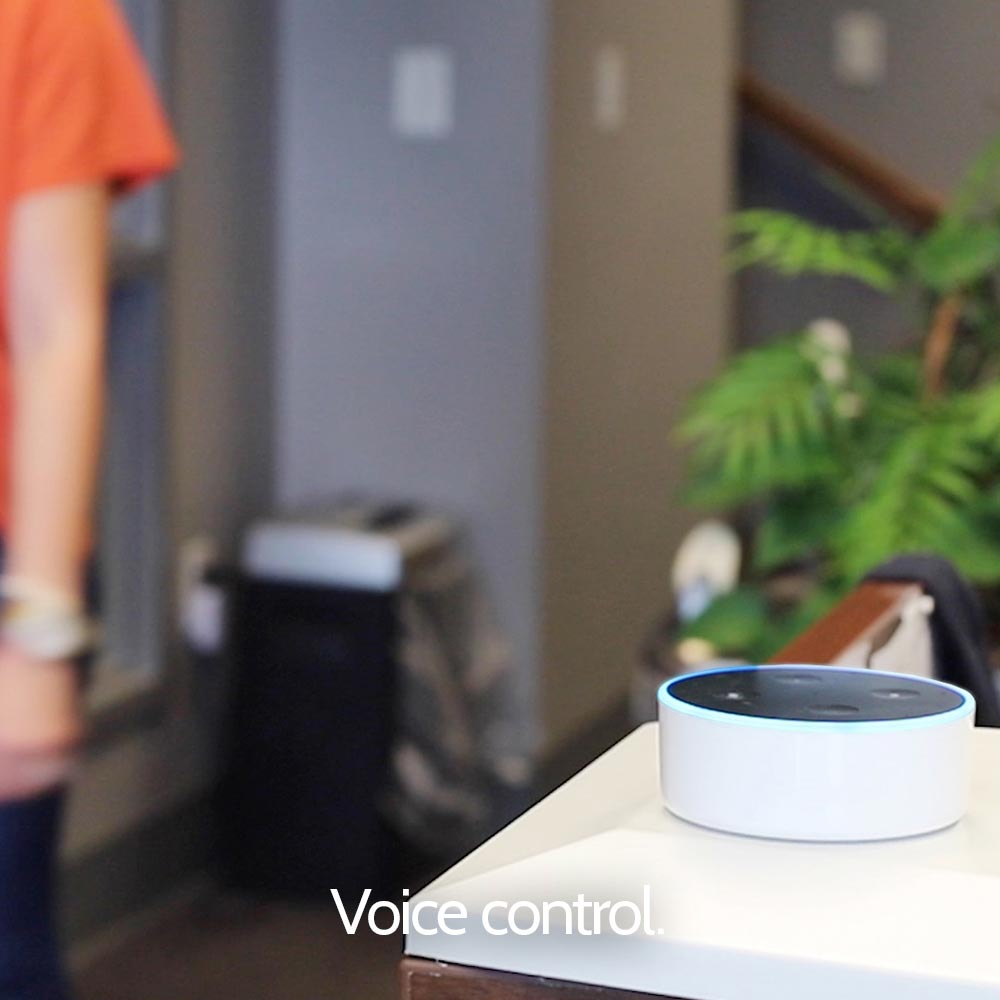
[742, 919]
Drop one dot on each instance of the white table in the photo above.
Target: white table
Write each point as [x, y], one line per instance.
[742, 919]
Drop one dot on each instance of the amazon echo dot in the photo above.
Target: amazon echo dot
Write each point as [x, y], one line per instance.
[814, 753]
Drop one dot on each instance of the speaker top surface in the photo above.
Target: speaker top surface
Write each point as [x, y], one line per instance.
[813, 696]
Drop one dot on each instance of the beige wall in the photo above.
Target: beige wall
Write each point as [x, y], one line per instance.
[221, 370]
[637, 315]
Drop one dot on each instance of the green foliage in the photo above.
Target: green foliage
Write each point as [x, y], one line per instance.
[797, 526]
[922, 498]
[767, 422]
[841, 461]
[984, 416]
[957, 254]
[792, 246]
[742, 623]
[733, 623]
[978, 193]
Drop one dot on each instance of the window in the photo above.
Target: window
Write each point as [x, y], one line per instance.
[131, 550]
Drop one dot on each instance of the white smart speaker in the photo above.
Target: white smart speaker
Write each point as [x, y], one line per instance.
[802, 752]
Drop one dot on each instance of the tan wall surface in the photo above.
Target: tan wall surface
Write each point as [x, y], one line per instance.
[637, 315]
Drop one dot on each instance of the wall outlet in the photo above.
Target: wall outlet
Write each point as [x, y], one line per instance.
[610, 88]
[422, 96]
[201, 606]
[860, 48]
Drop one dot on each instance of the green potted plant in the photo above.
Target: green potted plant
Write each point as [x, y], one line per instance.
[836, 460]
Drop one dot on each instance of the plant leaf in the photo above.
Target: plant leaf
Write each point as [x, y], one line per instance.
[924, 499]
[733, 623]
[767, 422]
[792, 246]
[797, 525]
[979, 189]
[956, 254]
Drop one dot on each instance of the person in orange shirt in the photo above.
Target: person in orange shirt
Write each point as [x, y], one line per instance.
[79, 124]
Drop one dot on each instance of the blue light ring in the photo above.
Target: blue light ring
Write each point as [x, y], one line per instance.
[664, 697]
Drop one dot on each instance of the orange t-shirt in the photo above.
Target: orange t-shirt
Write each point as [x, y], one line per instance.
[76, 106]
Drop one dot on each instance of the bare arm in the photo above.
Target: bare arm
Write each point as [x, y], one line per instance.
[56, 329]
[58, 241]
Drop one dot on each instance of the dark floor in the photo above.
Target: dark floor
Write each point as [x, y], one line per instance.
[224, 949]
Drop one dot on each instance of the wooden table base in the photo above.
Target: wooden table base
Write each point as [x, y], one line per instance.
[424, 980]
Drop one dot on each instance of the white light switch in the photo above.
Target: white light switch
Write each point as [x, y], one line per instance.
[423, 92]
[859, 48]
[610, 86]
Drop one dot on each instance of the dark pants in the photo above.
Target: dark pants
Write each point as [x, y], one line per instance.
[29, 955]
[30, 966]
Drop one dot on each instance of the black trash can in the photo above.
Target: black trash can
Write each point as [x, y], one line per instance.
[310, 740]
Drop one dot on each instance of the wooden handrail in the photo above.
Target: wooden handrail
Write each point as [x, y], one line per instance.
[868, 611]
[897, 193]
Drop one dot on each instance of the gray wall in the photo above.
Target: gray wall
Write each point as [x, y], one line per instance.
[409, 276]
[940, 100]
[939, 103]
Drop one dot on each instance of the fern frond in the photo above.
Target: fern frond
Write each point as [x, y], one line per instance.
[984, 414]
[957, 253]
[979, 189]
[922, 499]
[792, 246]
[796, 526]
[899, 374]
[767, 422]
[893, 390]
